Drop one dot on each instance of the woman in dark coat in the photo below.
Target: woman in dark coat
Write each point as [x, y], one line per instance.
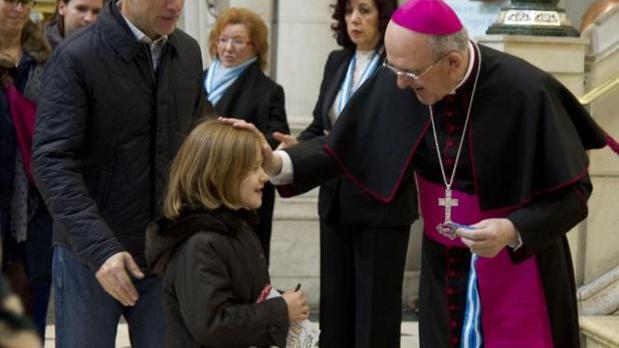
[25, 224]
[216, 287]
[236, 86]
[363, 242]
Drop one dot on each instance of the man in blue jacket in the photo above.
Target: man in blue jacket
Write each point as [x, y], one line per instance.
[117, 100]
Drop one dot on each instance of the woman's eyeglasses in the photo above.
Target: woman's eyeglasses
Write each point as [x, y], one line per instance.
[237, 43]
[24, 3]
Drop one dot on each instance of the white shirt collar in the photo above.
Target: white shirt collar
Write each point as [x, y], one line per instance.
[139, 35]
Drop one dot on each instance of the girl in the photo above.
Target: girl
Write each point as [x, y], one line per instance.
[211, 261]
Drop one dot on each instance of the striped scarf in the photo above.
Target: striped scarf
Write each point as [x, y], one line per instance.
[471, 328]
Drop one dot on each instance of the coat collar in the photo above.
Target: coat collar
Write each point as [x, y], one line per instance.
[115, 29]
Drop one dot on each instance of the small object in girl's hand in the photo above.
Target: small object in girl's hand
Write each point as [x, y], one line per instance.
[298, 287]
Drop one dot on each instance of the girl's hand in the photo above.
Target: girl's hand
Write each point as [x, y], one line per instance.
[298, 310]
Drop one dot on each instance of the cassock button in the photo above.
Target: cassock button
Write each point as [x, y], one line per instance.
[451, 291]
[451, 128]
[449, 161]
[450, 143]
[454, 324]
[452, 274]
[452, 308]
[455, 341]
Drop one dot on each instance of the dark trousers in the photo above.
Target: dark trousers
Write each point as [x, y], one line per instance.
[361, 274]
[28, 266]
[265, 213]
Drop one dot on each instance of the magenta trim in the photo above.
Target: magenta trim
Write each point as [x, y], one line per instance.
[351, 177]
[612, 143]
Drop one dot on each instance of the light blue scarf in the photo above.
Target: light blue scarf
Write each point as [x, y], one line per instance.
[218, 78]
[347, 89]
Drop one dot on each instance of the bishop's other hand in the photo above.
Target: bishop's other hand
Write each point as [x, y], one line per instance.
[488, 237]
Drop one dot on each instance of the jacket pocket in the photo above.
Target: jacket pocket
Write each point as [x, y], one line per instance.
[103, 190]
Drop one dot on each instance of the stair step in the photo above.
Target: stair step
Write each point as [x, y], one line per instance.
[600, 331]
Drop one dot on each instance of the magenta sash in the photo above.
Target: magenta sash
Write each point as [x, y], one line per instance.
[513, 307]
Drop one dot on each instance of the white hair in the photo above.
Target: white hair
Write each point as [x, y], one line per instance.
[442, 44]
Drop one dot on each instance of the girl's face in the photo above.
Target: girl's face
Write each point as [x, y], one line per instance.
[251, 187]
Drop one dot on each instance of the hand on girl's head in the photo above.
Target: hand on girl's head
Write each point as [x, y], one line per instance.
[271, 164]
[298, 309]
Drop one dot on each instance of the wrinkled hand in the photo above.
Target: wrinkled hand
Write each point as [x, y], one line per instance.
[272, 164]
[489, 237]
[285, 140]
[298, 309]
[114, 276]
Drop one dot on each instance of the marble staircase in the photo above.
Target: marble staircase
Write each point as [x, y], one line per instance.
[597, 265]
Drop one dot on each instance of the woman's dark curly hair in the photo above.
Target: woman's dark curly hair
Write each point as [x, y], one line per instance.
[385, 10]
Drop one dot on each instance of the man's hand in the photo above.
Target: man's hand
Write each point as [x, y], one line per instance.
[272, 163]
[488, 237]
[285, 140]
[113, 275]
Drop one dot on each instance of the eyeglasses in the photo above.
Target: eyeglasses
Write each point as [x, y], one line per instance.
[415, 75]
[237, 43]
[24, 3]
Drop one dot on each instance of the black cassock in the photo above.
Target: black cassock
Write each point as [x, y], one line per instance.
[524, 151]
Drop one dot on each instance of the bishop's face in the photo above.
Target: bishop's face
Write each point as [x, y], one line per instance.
[410, 56]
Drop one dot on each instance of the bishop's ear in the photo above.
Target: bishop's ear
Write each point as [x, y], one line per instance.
[456, 62]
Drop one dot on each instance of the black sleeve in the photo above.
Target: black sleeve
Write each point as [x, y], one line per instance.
[312, 167]
[317, 127]
[205, 295]
[62, 115]
[549, 217]
[200, 110]
[277, 121]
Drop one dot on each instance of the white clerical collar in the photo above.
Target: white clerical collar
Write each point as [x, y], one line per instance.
[469, 70]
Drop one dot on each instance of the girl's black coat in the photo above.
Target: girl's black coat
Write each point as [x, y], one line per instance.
[213, 270]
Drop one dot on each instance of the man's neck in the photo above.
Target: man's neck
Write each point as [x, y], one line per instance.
[126, 12]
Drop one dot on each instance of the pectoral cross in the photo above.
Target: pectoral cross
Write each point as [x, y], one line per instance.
[447, 228]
